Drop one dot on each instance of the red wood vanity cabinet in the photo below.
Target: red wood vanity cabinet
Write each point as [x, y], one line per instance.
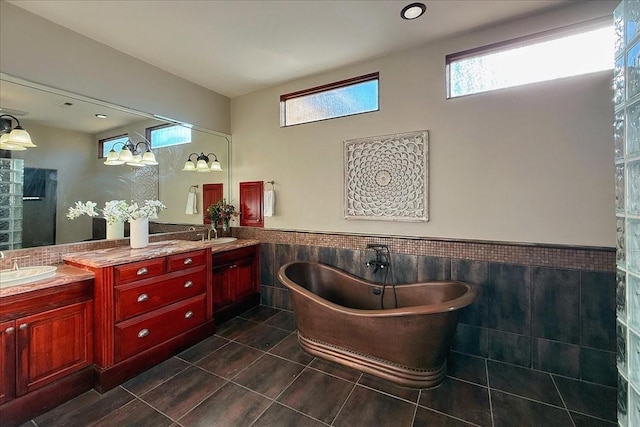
[235, 281]
[147, 311]
[46, 349]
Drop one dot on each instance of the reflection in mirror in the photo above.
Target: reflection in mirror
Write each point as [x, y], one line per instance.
[68, 165]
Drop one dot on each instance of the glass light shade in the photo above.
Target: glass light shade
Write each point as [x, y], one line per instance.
[136, 161]
[215, 166]
[20, 137]
[202, 166]
[189, 166]
[113, 159]
[149, 158]
[125, 155]
[6, 145]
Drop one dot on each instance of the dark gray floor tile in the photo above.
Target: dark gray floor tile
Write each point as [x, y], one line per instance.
[589, 399]
[466, 367]
[459, 399]
[155, 376]
[284, 320]
[235, 327]
[406, 393]
[509, 411]
[183, 392]
[262, 337]
[367, 407]
[584, 421]
[229, 360]
[85, 409]
[523, 382]
[202, 349]
[231, 405]
[281, 416]
[269, 375]
[289, 348]
[428, 418]
[317, 394]
[336, 369]
[134, 414]
[259, 313]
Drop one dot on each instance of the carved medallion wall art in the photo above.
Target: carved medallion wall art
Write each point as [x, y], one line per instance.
[386, 177]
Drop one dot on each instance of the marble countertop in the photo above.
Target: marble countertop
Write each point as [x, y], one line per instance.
[64, 274]
[119, 255]
[124, 254]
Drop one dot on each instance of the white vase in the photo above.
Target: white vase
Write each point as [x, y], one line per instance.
[115, 230]
[139, 233]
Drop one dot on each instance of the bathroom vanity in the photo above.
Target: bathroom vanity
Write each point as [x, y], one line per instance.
[152, 303]
[110, 314]
[46, 345]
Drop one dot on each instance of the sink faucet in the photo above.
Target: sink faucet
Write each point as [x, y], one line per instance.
[215, 233]
[16, 267]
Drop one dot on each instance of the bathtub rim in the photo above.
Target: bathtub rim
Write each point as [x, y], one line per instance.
[455, 304]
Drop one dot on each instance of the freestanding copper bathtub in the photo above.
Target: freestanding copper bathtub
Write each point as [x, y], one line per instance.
[339, 318]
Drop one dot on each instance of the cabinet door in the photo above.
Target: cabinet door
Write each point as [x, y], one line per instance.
[53, 344]
[221, 286]
[242, 278]
[7, 360]
[251, 204]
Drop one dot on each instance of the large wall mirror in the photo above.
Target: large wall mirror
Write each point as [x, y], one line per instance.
[66, 166]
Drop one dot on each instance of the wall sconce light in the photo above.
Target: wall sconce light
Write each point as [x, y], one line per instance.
[202, 163]
[16, 139]
[132, 155]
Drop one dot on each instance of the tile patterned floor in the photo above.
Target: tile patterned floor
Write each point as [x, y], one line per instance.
[252, 373]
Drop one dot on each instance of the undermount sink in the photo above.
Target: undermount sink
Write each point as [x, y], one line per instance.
[25, 275]
[223, 240]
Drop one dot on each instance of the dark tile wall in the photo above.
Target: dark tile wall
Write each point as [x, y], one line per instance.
[558, 320]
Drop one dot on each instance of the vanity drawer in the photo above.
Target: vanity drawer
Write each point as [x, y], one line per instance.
[138, 270]
[186, 260]
[140, 333]
[135, 298]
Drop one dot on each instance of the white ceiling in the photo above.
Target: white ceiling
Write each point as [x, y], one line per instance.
[237, 47]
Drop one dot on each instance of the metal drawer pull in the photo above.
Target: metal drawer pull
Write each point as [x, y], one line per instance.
[188, 315]
[233, 266]
[187, 261]
[188, 284]
[10, 330]
[23, 326]
[142, 271]
[143, 333]
[143, 297]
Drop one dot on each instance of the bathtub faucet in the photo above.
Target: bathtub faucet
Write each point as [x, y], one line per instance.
[381, 261]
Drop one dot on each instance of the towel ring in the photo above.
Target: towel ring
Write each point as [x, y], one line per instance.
[269, 182]
[194, 188]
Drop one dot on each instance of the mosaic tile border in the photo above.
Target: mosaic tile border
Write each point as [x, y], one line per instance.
[573, 257]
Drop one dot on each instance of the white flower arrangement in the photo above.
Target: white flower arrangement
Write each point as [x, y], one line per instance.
[117, 210]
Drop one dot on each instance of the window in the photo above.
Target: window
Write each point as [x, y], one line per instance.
[168, 135]
[105, 145]
[345, 98]
[542, 57]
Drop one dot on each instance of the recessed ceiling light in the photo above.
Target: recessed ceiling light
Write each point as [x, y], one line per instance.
[101, 116]
[413, 11]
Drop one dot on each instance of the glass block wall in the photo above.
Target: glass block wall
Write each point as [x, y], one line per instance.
[626, 128]
[11, 179]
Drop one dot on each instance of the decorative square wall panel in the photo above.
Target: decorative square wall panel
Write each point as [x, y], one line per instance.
[386, 177]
